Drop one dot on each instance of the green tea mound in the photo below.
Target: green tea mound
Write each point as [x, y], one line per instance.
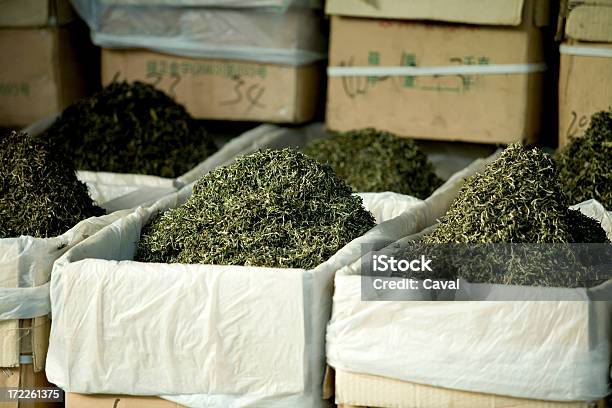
[274, 208]
[375, 161]
[585, 164]
[131, 128]
[40, 195]
[517, 199]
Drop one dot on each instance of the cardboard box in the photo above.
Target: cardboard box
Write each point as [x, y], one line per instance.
[585, 86]
[41, 74]
[495, 12]
[24, 340]
[222, 89]
[34, 13]
[24, 377]
[74, 400]
[361, 390]
[498, 108]
[585, 20]
[24, 337]
[585, 80]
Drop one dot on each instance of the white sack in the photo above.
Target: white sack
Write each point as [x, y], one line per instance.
[25, 269]
[247, 336]
[549, 350]
[291, 37]
[26, 262]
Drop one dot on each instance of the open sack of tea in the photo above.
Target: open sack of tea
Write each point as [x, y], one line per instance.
[219, 295]
[536, 327]
[44, 211]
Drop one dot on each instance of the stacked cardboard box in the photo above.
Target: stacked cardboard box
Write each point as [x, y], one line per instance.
[41, 74]
[230, 61]
[446, 70]
[23, 350]
[211, 88]
[585, 83]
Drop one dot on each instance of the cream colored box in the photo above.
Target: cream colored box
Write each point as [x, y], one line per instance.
[500, 107]
[361, 390]
[222, 89]
[41, 74]
[74, 400]
[585, 85]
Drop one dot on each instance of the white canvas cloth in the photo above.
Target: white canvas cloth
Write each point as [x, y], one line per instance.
[546, 349]
[202, 335]
[26, 263]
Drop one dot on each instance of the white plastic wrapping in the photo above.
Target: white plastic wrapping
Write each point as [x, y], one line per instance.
[26, 262]
[292, 36]
[241, 335]
[273, 4]
[549, 350]
[202, 335]
[25, 271]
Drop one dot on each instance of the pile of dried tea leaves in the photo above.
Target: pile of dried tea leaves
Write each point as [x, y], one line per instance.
[517, 199]
[274, 208]
[40, 195]
[585, 164]
[132, 128]
[375, 161]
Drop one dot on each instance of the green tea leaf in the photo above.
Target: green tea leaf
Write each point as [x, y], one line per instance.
[274, 208]
[131, 128]
[39, 192]
[375, 161]
[585, 164]
[518, 199]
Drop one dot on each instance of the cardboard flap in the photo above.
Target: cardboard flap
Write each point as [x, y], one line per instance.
[122, 401]
[9, 343]
[494, 12]
[367, 390]
[590, 23]
[14, 13]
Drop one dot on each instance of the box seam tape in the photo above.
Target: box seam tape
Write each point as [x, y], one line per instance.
[585, 51]
[446, 70]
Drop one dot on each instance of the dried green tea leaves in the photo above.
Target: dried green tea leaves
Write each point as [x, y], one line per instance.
[585, 229]
[556, 265]
[270, 208]
[517, 199]
[376, 161]
[585, 164]
[39, 192]
[131, 128]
